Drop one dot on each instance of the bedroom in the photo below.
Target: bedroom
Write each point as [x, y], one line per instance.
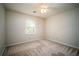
[39, 29]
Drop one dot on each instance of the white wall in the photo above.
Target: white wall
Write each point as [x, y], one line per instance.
[63, 28]
[2, 29]
[16, 28]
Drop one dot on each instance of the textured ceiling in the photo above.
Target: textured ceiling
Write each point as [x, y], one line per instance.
[29, 8]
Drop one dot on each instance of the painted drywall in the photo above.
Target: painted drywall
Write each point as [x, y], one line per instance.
[63, 28]
[16, 28]
[2, 29]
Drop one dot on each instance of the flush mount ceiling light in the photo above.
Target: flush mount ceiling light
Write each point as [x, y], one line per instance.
[44, 9]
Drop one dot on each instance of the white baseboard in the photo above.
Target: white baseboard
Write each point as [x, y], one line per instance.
[63, 43]
[20, 42]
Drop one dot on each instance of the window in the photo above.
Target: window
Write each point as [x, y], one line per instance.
[30, 27]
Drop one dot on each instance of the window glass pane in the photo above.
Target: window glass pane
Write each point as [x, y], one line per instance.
[30, 27]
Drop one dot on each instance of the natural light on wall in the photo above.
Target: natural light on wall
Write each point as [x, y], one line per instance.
[30, 27]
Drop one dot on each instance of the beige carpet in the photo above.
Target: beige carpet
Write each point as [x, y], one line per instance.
[40, 48]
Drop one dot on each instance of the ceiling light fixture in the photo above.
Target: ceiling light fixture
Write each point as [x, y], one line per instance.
[44, 9]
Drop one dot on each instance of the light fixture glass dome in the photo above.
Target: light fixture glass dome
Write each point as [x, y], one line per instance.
[44, 9]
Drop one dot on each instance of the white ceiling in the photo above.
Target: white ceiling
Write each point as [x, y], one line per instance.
[28, 8]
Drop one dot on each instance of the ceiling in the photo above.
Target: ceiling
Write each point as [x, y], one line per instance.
[34, 8]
